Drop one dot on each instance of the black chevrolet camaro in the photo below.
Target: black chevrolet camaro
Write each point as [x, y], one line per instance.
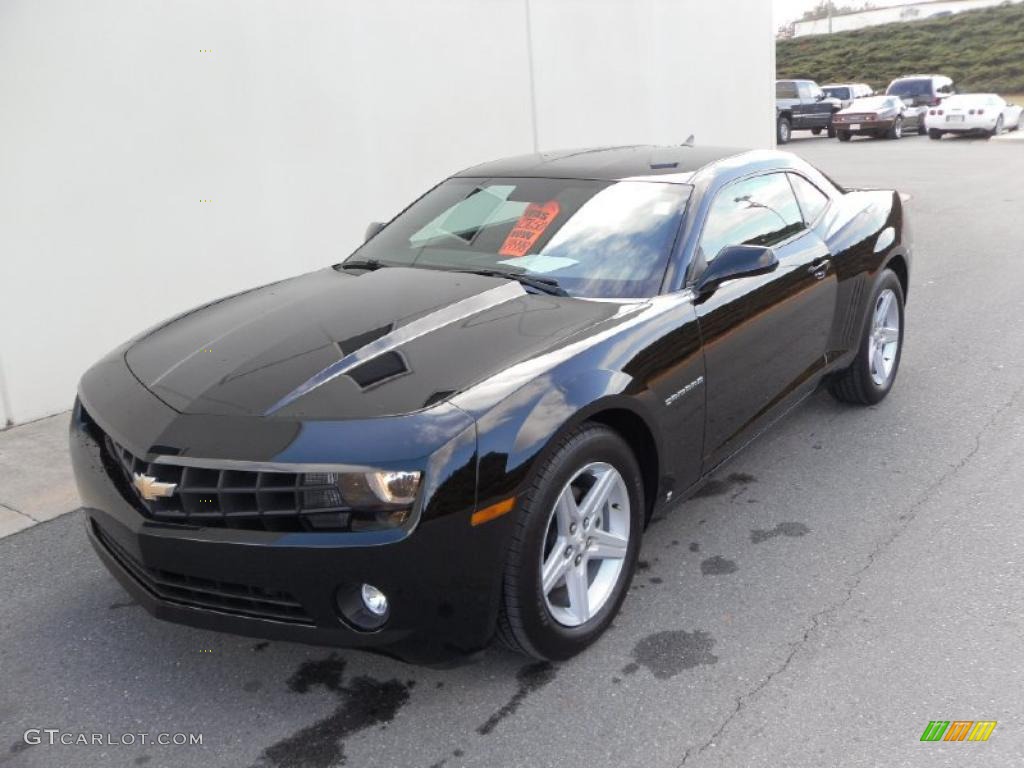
[463, 430]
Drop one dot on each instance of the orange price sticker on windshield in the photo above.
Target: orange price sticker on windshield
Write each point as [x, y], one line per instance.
[529, 228]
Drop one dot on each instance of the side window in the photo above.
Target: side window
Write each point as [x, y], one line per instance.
[812, 200]
[805, 90]
[757, 211]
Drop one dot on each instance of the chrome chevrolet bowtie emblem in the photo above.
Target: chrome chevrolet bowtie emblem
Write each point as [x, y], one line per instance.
[152, 489]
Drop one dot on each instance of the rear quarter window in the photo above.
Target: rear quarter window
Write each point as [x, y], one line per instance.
[786, 90]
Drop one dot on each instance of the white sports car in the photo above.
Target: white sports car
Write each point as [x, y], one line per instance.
[973, 113]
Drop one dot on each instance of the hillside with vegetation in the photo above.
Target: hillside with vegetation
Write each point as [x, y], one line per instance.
[981, 50]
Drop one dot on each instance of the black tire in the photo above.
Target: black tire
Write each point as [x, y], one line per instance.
[896, 130]
[999, 127]
[855, 383]
[934, 134]
[843, 135]
[816, 131]
[525, 623]
[783, 130]
[831, 131]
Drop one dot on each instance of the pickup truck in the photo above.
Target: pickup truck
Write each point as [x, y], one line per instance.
[800, 105]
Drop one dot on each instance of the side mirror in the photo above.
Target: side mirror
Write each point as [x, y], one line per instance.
[735, 261]
[373, 229]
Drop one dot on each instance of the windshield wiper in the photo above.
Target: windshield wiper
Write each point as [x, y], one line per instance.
[543, 284]
[367, 264]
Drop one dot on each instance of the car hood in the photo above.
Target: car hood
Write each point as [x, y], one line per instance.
[338, 345]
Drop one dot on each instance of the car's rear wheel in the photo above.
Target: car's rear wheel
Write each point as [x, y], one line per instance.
[783, 130]
[816, 131]
[843, 135]
[896, 130]
[934, 134]
[999, 127]
[831, 131]
[575, 546]
[870, 376]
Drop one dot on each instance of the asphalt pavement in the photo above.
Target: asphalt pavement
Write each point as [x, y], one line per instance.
[853, 575]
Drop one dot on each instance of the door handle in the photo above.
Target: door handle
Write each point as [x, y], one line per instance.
[819, 269]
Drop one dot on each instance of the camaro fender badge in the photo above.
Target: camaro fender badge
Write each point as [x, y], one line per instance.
[685, 390]
[152, 489]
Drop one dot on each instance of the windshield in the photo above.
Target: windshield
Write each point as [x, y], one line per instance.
[911, 88]
[837, 93]
[598, 239]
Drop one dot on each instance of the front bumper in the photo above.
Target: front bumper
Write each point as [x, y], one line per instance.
[442, 580]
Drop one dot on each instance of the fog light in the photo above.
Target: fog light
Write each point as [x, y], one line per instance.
[376, 602]
[363, 607]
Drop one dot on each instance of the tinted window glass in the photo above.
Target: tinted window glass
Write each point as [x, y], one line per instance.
[838, 93]
[812, 200]
[757, 211]
[596, 238]
[911, 88]
[785, 89]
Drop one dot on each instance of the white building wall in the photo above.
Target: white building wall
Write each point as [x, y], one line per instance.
[299, 123]
[902, 12]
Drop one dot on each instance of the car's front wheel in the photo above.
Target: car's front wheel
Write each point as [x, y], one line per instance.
[870, 376]
[896, 130]
[783, 130]
[575, 546]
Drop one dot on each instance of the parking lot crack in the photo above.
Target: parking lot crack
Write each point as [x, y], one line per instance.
[9, 508]
[832, 609]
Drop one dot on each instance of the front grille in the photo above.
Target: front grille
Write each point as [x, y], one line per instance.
[194, 592]
[271, 501]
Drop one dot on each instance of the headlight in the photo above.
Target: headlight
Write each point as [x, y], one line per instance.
[359, 500]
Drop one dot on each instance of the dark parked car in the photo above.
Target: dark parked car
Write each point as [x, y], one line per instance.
[884, 117]
[464, 429]
[800, 105]
[919, 92]
[922, 90]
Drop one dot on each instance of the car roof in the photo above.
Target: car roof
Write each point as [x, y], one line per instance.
[643, 161]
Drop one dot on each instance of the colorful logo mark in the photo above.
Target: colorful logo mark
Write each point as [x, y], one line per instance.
[958, 730]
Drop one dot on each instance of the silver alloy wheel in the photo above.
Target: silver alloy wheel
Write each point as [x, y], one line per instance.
[585, 544]
[783, 132]
[897, 129]
[884, 341]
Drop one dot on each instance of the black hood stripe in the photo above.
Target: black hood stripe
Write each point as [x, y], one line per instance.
[453, 313]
